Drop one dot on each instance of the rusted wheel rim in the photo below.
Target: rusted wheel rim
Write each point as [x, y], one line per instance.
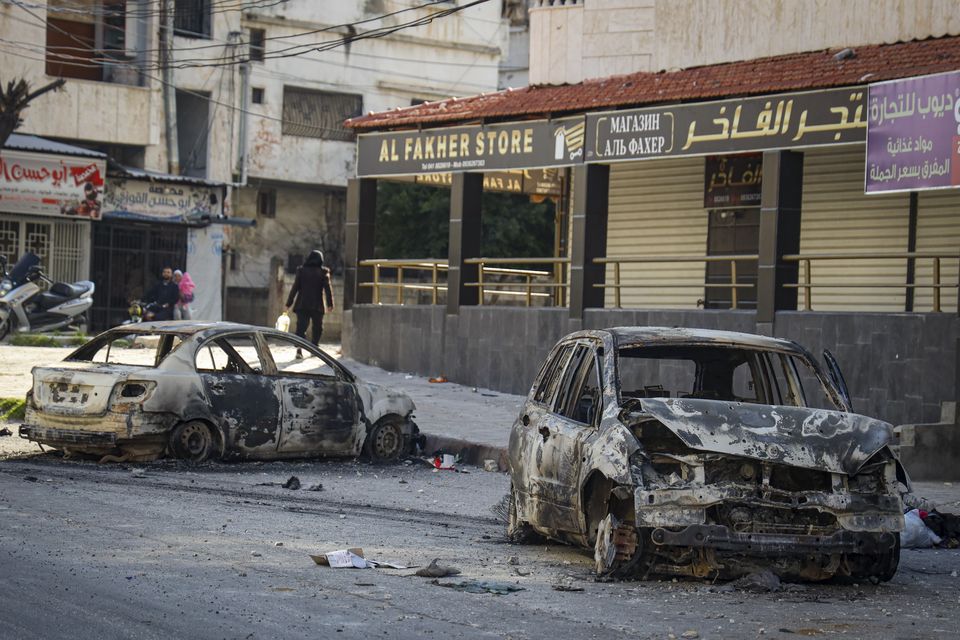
[387, 441]
[194, 441]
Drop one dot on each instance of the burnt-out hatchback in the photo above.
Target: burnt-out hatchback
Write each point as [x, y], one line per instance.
[706, 454]
[212, 390]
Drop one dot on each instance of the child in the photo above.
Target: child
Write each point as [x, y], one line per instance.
[182, 310]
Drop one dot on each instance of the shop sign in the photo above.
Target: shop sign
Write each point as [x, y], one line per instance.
[158, 201]
[913, 134]
[51, 185]
[732, 181]
[784, 121]
[515, 145]
[541, 182]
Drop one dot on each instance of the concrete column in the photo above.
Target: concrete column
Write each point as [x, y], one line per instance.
[590, 195]
[359, 231]
[466, 192]
[780, 199]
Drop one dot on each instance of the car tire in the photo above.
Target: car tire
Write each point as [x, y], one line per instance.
[193, 441]
[613, 561]
[890, 563]
[518, 530]
[385, 441]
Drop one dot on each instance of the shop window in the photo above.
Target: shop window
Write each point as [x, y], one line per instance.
[732, 231]
[257, 95]
[267, 203]
[258, 38]
[319, 114]
[191, 18]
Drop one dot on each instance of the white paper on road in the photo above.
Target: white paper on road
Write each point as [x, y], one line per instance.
[345, 558]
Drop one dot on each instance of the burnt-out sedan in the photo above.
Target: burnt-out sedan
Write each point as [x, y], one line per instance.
[200, 391]
[706, 454]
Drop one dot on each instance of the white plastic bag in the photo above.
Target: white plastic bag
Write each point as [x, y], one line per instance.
[916, 534]
[283, 322]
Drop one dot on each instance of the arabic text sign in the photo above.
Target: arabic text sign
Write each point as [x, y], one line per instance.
[144, 200]
[516, 145]
[913, 135]
[791, 120]
[733, 181]
[47, 184]
[543, 182]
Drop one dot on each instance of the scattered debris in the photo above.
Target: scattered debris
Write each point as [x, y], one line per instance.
[444, 461]
[566, 586]
[439, 380]
[352, 558]
[315, 487]
[481, 586]
[520, 572]
[437, 570]
[916, 534]
[491, 465]
[5, 432]
[278, 544]
[138, 473]
[690, 633]
[759, 582]
[514, 560]
[31, 478]
[293, 483]
[255, 554]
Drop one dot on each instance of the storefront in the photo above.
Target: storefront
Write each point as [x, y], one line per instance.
[151, 221]
[733, 196]
[50, 194]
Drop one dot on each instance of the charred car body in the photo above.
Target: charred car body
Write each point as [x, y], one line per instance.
[212, 390]
[704, 453]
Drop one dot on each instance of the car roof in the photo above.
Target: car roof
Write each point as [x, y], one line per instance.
[637, 336]
[184, 327]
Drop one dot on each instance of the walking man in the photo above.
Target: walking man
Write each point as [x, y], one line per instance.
[310, 287]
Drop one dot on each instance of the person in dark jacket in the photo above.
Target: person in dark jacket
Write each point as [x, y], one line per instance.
[310, 287]
[163, 297]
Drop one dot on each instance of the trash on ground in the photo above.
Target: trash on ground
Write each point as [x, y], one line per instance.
[438, 380]
[353, 558]
[491, 465]
[759, 582]
[566, 586]
[481, 586]
[945, 525]
[315, 487]
[138, 473]
[292, 483]
[5, 432]
[916, 534]
[444, 461]
[513, 560]
[437, 570]
[520, 572]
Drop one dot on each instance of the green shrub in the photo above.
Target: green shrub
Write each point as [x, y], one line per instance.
[13, 409]
[33, 340]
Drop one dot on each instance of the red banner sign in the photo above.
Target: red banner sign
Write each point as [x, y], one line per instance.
[52, 185]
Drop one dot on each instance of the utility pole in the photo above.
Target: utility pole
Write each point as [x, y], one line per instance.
[169, 91]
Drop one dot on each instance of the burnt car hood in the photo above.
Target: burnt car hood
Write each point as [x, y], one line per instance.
[809, 438]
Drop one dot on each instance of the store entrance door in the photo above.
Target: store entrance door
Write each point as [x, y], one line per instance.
[127, 260]
[732, 231]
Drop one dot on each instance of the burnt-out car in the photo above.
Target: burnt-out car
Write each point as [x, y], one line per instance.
[706, 454]
[198, 391]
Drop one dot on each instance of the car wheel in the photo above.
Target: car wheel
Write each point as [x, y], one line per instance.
[192, 441]
[616, 551]
[385, 441]
[517, 529]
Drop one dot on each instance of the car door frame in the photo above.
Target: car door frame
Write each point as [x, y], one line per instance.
[287, 384]
[230, 431]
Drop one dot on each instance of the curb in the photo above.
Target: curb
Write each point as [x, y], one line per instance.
[472, 453]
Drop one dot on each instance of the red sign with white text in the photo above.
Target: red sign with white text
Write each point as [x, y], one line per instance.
[50, 185]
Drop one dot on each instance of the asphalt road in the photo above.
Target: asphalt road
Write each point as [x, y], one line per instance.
[161, 550]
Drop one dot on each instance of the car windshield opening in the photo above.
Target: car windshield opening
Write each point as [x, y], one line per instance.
[712, 373]
[133, 349]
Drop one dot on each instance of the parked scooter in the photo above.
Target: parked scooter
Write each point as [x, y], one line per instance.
[26, 308]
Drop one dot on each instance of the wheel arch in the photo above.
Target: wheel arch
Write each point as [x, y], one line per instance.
[218, 433]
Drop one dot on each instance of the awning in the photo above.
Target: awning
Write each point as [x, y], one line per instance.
[36, 144]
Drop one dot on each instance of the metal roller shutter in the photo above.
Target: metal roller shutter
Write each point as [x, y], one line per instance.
[656, 208]
[938, 229]
[838, 217]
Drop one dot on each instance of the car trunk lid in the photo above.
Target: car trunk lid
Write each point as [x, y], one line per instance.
[77, 388]
[810, 438]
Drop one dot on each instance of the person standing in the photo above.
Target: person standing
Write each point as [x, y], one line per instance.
[163, 297]
[187, 288]
[310, 287]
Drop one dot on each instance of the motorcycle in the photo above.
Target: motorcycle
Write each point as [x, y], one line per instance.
[26, 308]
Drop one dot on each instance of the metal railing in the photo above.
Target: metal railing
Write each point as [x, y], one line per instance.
[732, 285]
[528, 287]
[431, 265]
[936, 284]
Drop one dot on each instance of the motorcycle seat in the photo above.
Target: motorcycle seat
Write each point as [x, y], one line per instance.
[67, 291]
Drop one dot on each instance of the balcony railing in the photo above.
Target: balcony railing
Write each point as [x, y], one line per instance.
[733, 284]
[936, 284]
[528, 283]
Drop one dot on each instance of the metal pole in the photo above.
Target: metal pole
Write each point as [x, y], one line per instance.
[733, 283]
[936, 285]
[376, 283]
[529, 290]
[480, 282]
[169, 91]
[434, 283]
[616, 281]
[244, 118]
[807, 303]
[399, 285]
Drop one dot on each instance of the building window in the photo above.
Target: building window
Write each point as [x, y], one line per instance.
[267, 203]
[258, 38]
[191, 18]
[89, 41]
[257, 95]
[319, 114]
